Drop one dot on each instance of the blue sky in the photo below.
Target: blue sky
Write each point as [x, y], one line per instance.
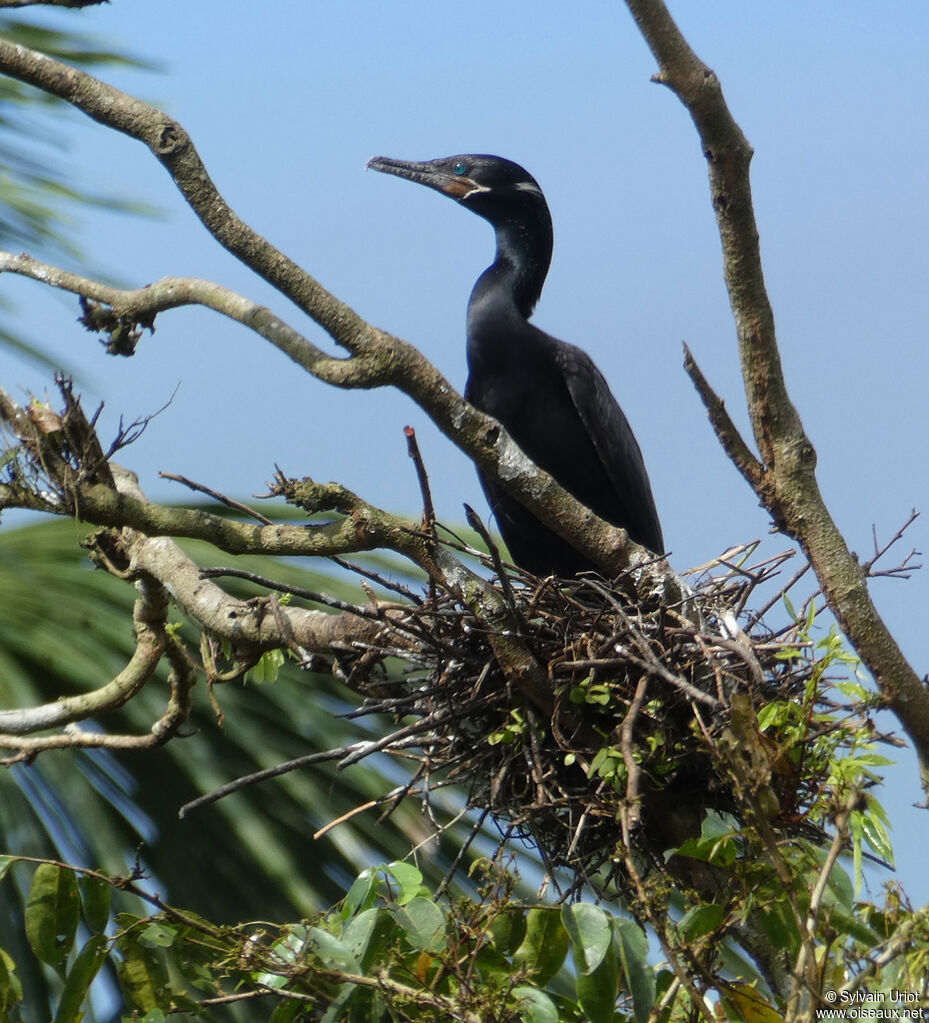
[287, 106]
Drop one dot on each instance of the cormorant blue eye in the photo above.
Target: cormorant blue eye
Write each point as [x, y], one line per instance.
[459, 168]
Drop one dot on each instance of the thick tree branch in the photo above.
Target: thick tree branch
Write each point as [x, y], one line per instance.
[141, 549]
[787, 485]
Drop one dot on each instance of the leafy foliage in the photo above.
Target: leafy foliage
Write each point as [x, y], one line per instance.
[390, 950]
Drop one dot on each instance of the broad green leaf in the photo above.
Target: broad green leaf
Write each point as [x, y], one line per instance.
[507, 930]
[158, 935]
[492, 963]
[591, 931]
[52, 913]
[423, 923]
[591, 934]
[95, 900]
[345, 994]
[717, 843]
[365, 933]
[332, 952]
[361, 894]
[357, 933]
[79, 978]
[638, 976]
[745, 1004]
[780, 925]
[142, 975]
[848, 924]
[410, 880]
[597, 992]
[543, 949]
[700, 920]
[535, 1006]
[840, 886]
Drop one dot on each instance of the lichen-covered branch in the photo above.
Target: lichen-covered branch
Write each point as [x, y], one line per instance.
[137, 546]
[149, 620]
[785, 478]
[153, 641]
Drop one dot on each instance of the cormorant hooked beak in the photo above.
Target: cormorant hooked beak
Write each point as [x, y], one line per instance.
[428, 173]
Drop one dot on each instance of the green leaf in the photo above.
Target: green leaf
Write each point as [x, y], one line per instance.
[142, 974]
[361, 894]
[52, 913]
[332, 952]
[11, 988]
[535, 1006]
[875, 834]
[268, 667]
[95, 900]
[590, 932]
[780, 925]
[717, 842]
[639, 977]
[840, 886]
[158, 935]
[360, 930]
[5, 864]
[423, 923]
[774, 713]
[410, 880]
[700, 920]
[543, 949]
[507, 931]
[370, 946]
[77, 983]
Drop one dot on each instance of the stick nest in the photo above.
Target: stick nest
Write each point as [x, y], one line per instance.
[639, 713]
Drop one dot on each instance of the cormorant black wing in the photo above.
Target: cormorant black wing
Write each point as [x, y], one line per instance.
[615, 444]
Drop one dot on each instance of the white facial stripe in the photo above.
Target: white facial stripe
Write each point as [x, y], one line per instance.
[528, 186]
[474, 189]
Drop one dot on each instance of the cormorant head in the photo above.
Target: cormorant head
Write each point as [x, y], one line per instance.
[496, 189]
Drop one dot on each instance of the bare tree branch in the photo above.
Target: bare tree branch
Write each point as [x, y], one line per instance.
[786, 482]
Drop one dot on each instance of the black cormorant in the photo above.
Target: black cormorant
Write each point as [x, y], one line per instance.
[550, 397]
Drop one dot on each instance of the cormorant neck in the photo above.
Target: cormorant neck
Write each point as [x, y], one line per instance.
[524, 254]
